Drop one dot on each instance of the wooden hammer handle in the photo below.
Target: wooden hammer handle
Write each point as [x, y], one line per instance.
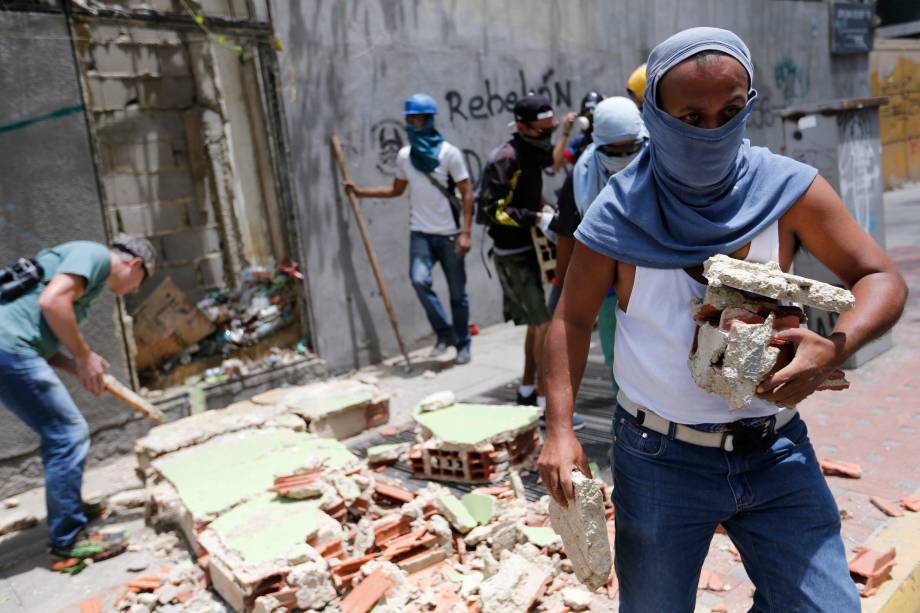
[127, 396]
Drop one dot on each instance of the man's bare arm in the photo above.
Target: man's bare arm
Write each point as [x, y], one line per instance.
[389, 191]
[824, 227]
[56, 303]
[588, 278]
[466, 195]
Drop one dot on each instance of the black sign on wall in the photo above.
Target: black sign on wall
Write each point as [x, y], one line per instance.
[852, 26]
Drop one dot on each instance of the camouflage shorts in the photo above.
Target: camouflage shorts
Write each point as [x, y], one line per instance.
[523, 298]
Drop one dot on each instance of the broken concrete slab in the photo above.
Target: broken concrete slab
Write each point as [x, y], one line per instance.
[197, 429]
[436, 401]
[480, 506]
[387, 454]
[252, 543]
[769, 280]
[456, 513]
[339, 408]
[516, 587]
[583, 529]
[542, 536]
[474, 443]
[191, 487]
[735, 347]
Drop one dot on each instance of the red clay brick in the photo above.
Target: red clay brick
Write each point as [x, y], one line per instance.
[838, 468]
[886, 507]
[872, 568]
[363, 598]
[911, 503]
[91, 605]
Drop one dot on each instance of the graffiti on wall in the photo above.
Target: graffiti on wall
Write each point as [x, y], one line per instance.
[791, 80]
[387, 138]
[492, 101]
[386, 141]
[859, 167]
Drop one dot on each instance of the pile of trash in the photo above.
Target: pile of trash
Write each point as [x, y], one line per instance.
[241, 317]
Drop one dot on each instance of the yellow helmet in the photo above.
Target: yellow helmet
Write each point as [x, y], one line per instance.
[635, 84]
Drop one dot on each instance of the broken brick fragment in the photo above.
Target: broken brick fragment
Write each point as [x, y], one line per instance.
[366, 594]
[886, 507]
[712, 582]
[839, 468]
[872, 568]
[392, 493]
[911, 503]
[91, 605]
[144, 584]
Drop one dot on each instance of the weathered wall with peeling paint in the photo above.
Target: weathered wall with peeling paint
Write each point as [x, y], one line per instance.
[348, 65]
[48, 195]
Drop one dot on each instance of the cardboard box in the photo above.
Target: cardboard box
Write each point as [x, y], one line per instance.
[165, 324]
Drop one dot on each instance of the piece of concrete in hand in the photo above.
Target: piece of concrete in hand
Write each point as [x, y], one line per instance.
[733, 364]
[769, 280]
[735, 346]
[583, 529]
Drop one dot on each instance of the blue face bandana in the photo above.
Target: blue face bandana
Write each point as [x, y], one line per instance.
[616, 119]
[693, 192]
[425, 146]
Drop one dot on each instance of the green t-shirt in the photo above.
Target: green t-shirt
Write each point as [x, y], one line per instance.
[23, 329]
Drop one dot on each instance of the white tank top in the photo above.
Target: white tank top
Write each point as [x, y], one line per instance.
[653, 340]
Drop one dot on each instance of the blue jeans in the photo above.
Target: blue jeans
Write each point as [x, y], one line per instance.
[31, 389]
[774, 504]
[425, 250]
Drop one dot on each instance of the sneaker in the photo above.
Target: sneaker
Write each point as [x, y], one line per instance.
[577, 422]
[463, 355]
[93, 546]
[438, 350]
[528, 401]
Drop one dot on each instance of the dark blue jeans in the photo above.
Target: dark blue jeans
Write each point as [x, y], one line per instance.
[774, 504]
[425, 250]
[31, 389]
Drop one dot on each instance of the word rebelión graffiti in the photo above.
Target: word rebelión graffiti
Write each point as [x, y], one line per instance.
[492, 103]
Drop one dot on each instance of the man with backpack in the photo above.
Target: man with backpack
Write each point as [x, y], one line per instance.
[439, 222]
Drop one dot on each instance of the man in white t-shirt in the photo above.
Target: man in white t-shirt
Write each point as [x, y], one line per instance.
[439, 224]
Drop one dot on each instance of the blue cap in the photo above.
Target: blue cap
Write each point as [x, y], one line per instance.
[420, 104]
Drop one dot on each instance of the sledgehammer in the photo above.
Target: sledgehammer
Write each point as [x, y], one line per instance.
[127, 396]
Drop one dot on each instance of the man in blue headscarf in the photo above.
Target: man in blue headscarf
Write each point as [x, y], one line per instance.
[683, 463]
[432, 168]
[618, 137]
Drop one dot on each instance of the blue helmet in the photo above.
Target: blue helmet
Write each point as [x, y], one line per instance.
[420, 104]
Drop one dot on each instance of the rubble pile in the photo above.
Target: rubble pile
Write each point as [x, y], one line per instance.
[735, 345]
[472, 443]
[297, 522]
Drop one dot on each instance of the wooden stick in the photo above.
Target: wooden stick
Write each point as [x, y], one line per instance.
[127, 396]
[371, 255]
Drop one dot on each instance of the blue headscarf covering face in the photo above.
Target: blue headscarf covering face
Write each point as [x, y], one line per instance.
[693, 192]
[425, 145]
[616, 119]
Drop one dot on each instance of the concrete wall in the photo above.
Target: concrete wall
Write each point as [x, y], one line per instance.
[48, 195]
[895, 73]
[347, 66]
